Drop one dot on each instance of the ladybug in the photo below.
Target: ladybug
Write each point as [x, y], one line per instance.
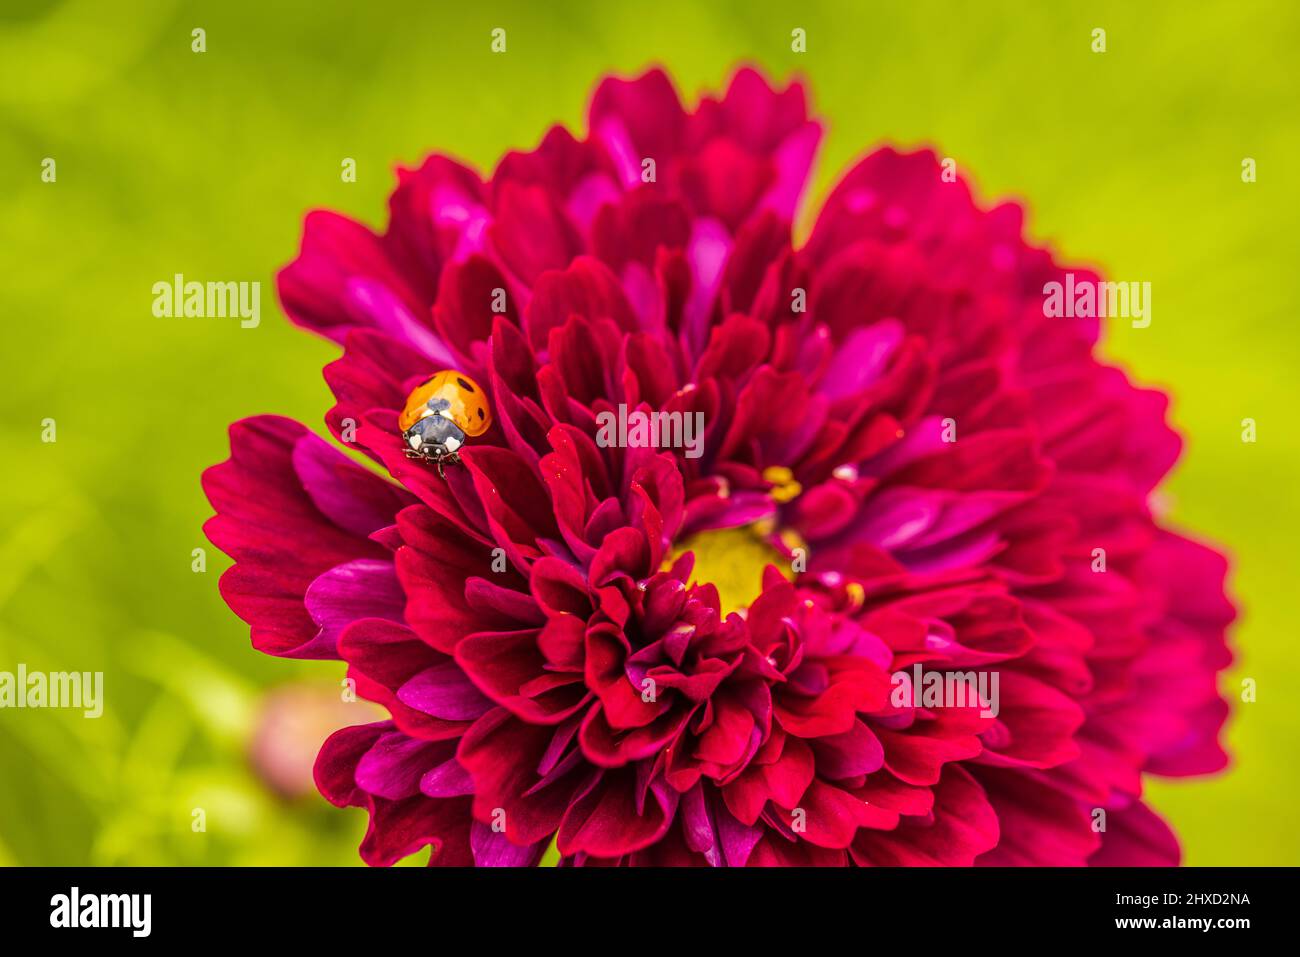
[440, 414]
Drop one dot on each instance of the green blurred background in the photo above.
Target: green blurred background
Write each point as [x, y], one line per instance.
[170, 161]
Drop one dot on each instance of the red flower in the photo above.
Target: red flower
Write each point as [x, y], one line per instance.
[573, 633]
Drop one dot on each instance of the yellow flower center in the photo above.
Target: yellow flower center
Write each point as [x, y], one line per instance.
[732, 560]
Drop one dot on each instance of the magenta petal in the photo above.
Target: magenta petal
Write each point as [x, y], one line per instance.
[393, 766]
[351, 496]
[447, 780]
[898, 516]
[841, 756]
[445, 691]
[336, 763]
[280, 540]
[493, 849]
[860, 359]
[375, 305]
[793, 160]
[738, 839]
[362, 589]
[1136, 837]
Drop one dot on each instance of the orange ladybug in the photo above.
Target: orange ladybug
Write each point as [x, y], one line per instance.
[441, 414]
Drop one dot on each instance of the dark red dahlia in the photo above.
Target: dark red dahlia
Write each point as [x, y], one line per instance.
[721, 652]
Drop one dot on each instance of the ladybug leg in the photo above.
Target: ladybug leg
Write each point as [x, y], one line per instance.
[449, 457]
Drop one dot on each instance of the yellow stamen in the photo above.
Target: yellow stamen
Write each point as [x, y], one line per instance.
[785, 488]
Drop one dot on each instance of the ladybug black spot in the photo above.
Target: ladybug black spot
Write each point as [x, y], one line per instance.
[481, 415]
[464, 385]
